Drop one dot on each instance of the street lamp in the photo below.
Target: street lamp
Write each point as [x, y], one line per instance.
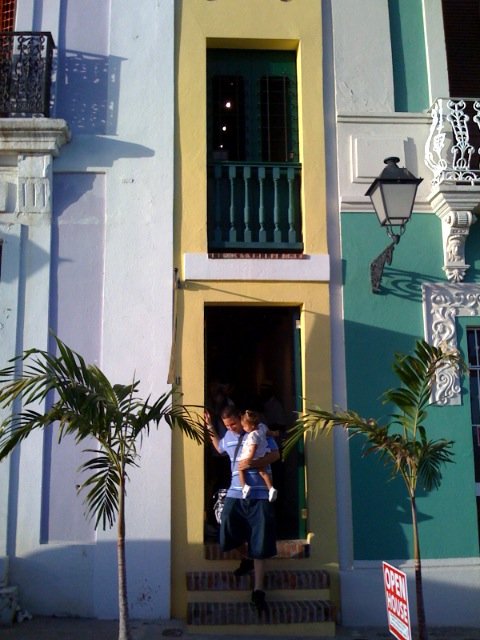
[392, 195]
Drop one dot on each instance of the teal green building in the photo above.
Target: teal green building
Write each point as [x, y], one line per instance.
[397, 91]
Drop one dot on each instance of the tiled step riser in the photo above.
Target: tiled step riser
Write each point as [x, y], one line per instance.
[313, 630]
[297, 598]
[286, 549]
[241, 596]
[274, 580]
[243, 613]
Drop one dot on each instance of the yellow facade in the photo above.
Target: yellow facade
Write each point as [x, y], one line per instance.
[268, 24]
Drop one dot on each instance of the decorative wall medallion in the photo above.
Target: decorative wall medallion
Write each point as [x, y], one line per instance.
[442, 303]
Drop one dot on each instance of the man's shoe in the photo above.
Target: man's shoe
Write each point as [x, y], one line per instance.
[258, 601]
[246, 566]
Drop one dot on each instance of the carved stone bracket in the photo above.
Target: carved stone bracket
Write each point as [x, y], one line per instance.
[442, 303]
[33, 185]
[455, 206]
[455, 230]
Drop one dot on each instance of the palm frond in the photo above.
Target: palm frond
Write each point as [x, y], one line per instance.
[84, 404]
[102, 499]
[408, 451]
[317, 420]
[16, 428]
[433, 455]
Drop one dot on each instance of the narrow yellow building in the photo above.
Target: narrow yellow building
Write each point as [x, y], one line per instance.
[253, 315]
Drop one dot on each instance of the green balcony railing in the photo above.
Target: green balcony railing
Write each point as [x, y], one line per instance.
[254, 206]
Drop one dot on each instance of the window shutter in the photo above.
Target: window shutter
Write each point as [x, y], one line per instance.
[461, 20]
[7, 15]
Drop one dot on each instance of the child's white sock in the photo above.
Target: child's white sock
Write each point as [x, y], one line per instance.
[272, 494]
[245, 491]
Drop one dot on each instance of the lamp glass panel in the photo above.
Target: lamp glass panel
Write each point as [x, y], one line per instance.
[398, 201]
[379, 204]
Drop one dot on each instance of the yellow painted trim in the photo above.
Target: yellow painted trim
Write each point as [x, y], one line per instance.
[248, 24]
[252, 43]
[187, 525]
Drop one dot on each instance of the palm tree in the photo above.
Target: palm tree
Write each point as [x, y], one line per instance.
[401, 443]
[87, 406]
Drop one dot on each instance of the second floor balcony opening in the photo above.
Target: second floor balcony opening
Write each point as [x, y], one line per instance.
[25, 74]
[452, 150]
[254, 177]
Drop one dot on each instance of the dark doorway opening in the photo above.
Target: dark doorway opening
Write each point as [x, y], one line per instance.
[252, 358]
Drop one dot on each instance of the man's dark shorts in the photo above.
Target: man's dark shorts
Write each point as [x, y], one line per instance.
[251, 521]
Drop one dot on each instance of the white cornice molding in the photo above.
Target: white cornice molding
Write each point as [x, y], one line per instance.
[445, 198]
[32, 143]
[442, 304]
[33, 136]
[400, 118]
[352, 204]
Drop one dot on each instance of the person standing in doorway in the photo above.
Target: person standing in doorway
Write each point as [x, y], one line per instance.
[250, 520]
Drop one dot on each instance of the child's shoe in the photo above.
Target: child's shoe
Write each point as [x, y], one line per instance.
[272, 494]
[246, 491]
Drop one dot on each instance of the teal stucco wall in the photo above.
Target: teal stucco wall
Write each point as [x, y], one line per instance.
[377, 326]
[410, 77]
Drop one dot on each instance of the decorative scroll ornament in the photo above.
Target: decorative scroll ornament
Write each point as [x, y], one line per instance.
[435, 143]
[442, 303]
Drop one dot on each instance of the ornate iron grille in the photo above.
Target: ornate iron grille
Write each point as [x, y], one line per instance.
[25, 73]
[452, 150]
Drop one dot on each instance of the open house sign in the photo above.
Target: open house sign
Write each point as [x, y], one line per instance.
[396, 596]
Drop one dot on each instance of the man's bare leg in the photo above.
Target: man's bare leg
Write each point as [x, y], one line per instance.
[258, 594]
[259, 568]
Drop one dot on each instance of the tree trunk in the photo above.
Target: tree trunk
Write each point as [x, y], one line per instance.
[123, 622]
[421, 622]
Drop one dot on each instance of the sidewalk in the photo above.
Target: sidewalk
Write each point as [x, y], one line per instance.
[40, 628]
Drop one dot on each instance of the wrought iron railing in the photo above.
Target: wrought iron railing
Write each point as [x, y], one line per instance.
[254, 207]
[25, 73]
[452, 150]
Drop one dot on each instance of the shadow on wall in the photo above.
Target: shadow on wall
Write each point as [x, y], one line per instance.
[37, 257]
[369, 359]
[98, 152]
[450, 593]
[65, 579]
[87, 88]
[399, 282]
[59, 581]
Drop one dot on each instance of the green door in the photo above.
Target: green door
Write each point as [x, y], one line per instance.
[252, 105]
[300, 453]
[253, 354]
